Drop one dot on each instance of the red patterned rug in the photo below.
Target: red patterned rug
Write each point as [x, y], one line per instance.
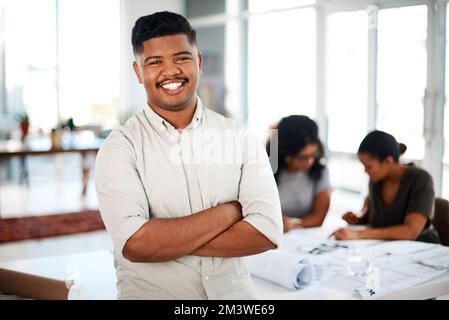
[35, 227]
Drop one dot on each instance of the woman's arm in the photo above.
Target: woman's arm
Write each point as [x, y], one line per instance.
[413, 224]
[315, 218]
[362, 219]
[320, 207]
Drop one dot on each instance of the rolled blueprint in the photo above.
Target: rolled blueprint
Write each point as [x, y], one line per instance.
[287, 269]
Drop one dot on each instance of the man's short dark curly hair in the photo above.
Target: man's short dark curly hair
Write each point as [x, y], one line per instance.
[160, 24]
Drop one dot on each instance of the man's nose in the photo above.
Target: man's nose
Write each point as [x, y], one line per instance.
[171, 70]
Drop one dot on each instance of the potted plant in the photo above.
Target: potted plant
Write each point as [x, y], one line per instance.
[55, 137]
[24, 122]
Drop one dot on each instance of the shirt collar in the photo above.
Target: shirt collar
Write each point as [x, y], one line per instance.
[162, 126]
[198, 115]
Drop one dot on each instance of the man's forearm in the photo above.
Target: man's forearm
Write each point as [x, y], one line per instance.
[242, 239]
[161, 240]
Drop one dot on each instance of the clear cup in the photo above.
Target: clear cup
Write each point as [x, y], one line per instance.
[358, 262]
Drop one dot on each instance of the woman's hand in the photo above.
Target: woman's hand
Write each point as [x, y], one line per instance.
[346, 234]
[350, 217]
[291, 223]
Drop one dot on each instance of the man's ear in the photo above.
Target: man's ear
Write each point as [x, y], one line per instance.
[200, 60]
[137, 72]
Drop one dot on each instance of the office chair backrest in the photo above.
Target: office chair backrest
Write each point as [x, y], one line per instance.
[441, 220]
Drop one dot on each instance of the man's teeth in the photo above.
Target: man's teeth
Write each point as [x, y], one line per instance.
[172, 85]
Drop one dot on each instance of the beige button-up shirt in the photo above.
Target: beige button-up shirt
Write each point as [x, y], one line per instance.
[146, 168]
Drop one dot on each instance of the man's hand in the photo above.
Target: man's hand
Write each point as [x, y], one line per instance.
[350, 217]
[346, 234]
[291, 223]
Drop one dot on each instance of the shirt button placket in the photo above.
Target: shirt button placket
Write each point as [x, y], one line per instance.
[207, 271]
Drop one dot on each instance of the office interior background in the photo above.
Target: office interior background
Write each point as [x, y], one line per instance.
[352, 65]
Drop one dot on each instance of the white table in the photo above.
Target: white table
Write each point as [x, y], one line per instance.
[436, 287]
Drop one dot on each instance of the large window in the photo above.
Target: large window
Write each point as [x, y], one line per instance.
[89, 59]
[281, 67]
[445, 192]
[30, 58]
[347, 95]
[62, 60]
[373, 69]
[347, 76]
[401, 81]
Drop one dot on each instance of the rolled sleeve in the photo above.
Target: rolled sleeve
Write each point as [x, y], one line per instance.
[258, 192]
[121, 197]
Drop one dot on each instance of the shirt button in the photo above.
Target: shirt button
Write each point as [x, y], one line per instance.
[206, 278]
[189, 172]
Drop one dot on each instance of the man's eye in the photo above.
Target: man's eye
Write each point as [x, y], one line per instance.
[155, 62]
[181, 59]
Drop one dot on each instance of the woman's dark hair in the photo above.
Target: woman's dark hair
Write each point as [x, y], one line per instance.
[295, 132]
[380, 145]
[160, 24]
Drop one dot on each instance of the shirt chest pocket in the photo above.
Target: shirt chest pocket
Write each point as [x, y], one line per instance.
[223, 183]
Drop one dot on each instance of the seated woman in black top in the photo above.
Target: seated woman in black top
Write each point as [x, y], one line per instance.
[399, 205]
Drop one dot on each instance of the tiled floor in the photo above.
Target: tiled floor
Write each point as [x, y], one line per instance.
[18, 200]
[54, 187]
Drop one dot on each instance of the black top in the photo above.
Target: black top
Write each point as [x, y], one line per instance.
[415, 194]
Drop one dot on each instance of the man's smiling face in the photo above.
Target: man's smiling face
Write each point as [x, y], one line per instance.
[169, 69]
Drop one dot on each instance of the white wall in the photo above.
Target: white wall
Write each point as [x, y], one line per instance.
[132, 93]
